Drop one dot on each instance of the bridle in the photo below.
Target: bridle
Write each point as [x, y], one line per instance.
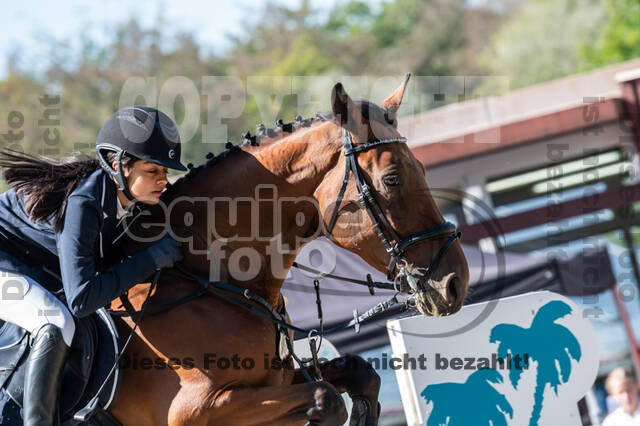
[395, 246]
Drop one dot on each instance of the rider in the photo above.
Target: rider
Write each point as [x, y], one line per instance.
[65, 217]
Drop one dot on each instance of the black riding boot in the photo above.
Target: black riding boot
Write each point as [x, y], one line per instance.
[43, 376]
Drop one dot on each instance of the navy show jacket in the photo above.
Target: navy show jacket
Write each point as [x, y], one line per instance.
[85, 254]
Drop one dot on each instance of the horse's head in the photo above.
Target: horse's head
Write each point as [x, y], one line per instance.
[386, 213]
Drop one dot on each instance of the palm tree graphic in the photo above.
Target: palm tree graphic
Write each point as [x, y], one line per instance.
[483, 404]
[550, 344]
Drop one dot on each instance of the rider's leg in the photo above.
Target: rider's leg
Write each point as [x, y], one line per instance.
[27, 304]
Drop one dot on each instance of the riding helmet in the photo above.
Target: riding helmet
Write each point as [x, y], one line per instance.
[142, 132]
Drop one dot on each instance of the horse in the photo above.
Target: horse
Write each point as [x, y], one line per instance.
[255, 207]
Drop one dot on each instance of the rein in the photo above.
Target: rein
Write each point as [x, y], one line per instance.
[242, 296]
[236, 295]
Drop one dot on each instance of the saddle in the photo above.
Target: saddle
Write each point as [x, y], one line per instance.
[93, 352]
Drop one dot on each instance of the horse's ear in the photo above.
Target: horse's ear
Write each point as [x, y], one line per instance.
[392, 103]
[345, 111]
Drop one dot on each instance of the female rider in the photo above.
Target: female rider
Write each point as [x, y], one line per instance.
[65, 220]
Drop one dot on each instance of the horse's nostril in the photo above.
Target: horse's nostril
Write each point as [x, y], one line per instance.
[452, 288]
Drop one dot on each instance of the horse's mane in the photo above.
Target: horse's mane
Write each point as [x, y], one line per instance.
[254, 143]
[268, 136]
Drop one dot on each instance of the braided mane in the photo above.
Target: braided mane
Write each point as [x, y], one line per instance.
[276, 133]
[264, 134]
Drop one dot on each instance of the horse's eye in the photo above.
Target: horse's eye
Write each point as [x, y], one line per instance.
[391, 180]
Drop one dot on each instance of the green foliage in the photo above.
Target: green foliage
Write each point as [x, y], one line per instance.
[395, 22]
[354, 38]
[89, 83]
[20, 110]
[529, 41]
[619, 37]
[350, 19]
[543, 40]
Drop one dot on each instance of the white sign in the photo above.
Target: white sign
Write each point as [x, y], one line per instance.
[520, 361]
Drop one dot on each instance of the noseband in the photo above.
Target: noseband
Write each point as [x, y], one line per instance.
[395, 246]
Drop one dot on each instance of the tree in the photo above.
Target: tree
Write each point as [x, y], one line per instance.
[354, 38]
[542, 41]
[619, 37]
[20, 111]
[90, 82]
[546, 342]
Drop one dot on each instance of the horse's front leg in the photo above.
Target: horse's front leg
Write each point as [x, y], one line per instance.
[319, 403]
[354, 375]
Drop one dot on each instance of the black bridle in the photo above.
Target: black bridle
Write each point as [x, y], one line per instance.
[397, 246]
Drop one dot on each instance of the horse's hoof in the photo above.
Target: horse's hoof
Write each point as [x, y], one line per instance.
[329, 408]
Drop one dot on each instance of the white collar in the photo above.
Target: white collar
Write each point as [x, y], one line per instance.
[123, 211]
[621, 417]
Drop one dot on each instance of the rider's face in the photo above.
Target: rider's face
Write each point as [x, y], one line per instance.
[146, 181]
[626, 394]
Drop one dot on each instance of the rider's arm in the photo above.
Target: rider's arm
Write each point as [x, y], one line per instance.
[86, 290]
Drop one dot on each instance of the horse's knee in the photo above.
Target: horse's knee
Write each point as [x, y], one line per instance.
[354, 375]
[368, 374]
[363, 373]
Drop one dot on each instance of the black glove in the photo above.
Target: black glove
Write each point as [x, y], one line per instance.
[165, 252]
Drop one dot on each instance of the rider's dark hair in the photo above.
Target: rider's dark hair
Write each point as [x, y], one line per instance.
[45, 183]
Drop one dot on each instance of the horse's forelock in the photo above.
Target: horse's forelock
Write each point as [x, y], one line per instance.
[244, 146]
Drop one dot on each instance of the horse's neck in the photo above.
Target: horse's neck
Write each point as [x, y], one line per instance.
[258, 197]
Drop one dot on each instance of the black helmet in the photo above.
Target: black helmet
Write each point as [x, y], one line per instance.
[142, 132]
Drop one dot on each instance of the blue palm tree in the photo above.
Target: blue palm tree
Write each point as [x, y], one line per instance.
[483, 404]
[547, 343]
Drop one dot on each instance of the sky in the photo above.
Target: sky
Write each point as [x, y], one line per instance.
[26, 25]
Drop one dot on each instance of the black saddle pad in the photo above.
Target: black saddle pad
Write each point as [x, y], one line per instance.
[94, 349]
[13, 346]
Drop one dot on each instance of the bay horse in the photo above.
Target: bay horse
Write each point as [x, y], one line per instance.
[384, 213]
